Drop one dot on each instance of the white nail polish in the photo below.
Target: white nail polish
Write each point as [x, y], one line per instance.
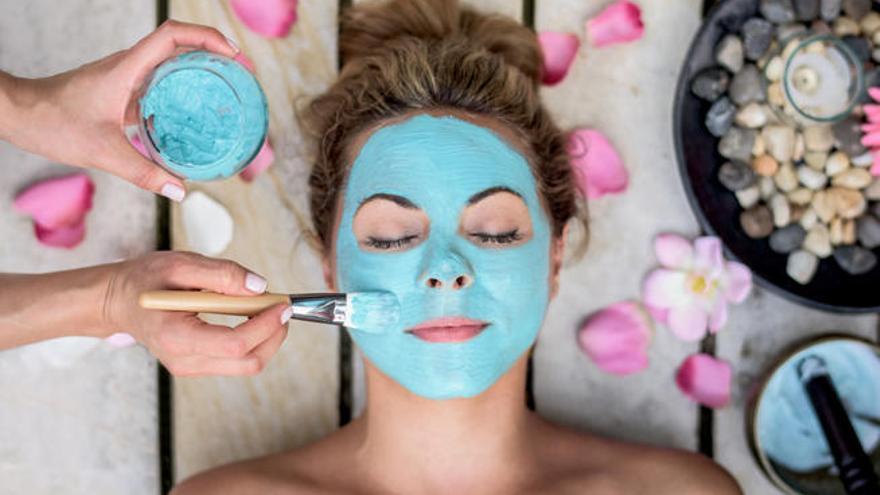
[173, 192]
[285, 316]
[233, 44]
[255, 283]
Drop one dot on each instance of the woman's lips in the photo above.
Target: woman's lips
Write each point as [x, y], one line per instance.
[450, 329]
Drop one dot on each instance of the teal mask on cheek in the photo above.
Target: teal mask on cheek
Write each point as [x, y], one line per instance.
[438, 163]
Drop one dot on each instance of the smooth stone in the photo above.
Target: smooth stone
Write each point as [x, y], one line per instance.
[787, 31]
[864, 160]
[720, 116]
[752, 116]
[781, 210]
[797, 211]
[869, 231]
[780, 141]
[729, 53]
[775, 95]
[844, 26]
[765, 166]
[800, 196]
[820, 27]
[801, 266]
[737, 144]
[872, 77]
[759, 148]
[757, 221]
[856, 9]
[872, 192]
[747, 85]
[829, 9]
[806, 10]
[848, 203]
[799, 147]
[766, 187]
[818, 241]
[709, 84]
[736, 176]
[848, 135]
[870, 24]
[823, 206]
[849, 231]
[786, 178]
[855, 260]
[811, 178]
[778, 11]
[836, 232]
[757, 34]
[818, 138]
[837, 163]
[787, 239]
[816, 159]
[860, 47]
[774, 69]
[854, 178]
[809, 218]
[875, 55]
[875, 209]
[737, 14]
[748, 197]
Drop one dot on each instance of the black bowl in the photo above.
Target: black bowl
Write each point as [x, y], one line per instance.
[831, 289]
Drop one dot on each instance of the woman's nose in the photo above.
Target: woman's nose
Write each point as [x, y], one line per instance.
[449, 271]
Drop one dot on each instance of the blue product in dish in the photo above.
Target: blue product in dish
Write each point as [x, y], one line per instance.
[203, 116]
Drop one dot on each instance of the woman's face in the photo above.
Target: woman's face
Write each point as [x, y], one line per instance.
[445, 214]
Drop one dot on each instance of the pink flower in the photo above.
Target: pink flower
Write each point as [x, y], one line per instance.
[270, 18]
[691, 290]
[58, 207]
[705, 380]
[598, 167]
[620, 22]
[616, 338]
[261, 162]
[559, 50]
[872, 130]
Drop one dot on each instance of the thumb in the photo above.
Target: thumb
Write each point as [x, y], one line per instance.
[127, 163]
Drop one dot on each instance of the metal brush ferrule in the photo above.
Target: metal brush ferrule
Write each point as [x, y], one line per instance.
[321, 308]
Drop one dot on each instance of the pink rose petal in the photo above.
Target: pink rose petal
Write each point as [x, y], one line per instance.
[875, 168]
[688, 323]
[261, 162]
[57, 202]
[665, 288]
[616, 338]
[875, 93]
[673, 251]
[559, 50]
[872, 112]
[705, 380]
[660, 315]
[67, 236]
[718, 316]
[598, 167]
[620, 22]
[739, 282]
[868, 128]
[245, 61]
[871, 139]
[270, 18]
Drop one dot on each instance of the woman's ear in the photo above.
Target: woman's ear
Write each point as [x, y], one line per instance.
[557, 252]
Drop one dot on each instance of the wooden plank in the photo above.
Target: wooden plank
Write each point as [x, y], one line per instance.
[78, 416]
[294, 400]
[626, 92]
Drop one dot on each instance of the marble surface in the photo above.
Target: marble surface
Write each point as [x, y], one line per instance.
[77, 416]
[295, 399]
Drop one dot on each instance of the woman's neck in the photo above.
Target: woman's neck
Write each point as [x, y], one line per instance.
[410, 444]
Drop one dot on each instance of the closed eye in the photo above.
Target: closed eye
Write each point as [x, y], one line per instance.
[503, 238]
[378, 243]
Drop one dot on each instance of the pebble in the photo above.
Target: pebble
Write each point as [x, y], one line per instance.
[849, 231]
[823, 206]
[736, 176]
[811, 178]
[864, 160]
[801, 266]
[737, 144]
[806, 10]
[875, 55]
[774, 69]
[729, 53]
[855, 260]
[869, 231]
[837, 163]
[800, 196]
[786, 31]
[757, 221]
[808, 219]
[829, 9]
[787, 239]
[856, 8]
[765, 165]
[836, 232]
[778, 11]
[797, 211]
[816, 159]
[757, 34]
[870, 24]
[847, 203]
[780, 141]
[818, 138]
[748, 197]
[775, 94]
[860, 47]
[735, 15]
[709, 84]
[781, 210]
[854, 178]
[747, 85]
[818, 241]
[820, 27]
[720, 116]
[799, 147]
[752, 116]
[872, 192]
[844, 26]
[766, 187]
[848, 135]
[875, 210]
[759, 148]
[786, 178]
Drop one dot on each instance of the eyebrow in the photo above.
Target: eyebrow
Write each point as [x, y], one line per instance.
[394, 198]
[488, 192]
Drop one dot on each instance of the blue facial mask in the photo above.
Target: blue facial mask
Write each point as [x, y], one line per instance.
[438, 163]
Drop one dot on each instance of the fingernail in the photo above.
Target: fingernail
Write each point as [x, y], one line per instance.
[255, 283]
[285, 316]
[120, 339]
[173, 192]
[233, 44]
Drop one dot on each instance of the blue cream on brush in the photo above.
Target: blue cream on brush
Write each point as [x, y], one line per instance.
[203, 116]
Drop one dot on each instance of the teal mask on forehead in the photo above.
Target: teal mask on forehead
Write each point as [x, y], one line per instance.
[438, 164]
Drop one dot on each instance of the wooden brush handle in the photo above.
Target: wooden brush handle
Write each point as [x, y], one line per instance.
[209, 302]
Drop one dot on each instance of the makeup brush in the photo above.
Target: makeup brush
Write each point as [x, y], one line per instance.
[367, 311]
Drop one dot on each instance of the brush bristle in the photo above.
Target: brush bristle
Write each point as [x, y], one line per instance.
[372, 312]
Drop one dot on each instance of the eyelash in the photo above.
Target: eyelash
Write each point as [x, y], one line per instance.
[503, 238]
[390, 243]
